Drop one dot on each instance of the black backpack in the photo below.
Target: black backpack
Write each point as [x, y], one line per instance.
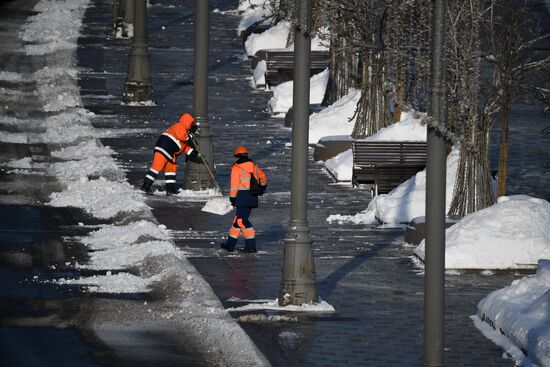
[255, 189]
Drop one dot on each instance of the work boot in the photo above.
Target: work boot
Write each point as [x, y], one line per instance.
[146, 187]
[226, 247]
[247, 250]
[172, 191]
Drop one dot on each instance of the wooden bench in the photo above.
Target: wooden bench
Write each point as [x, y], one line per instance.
[280, 64]
[386, 164]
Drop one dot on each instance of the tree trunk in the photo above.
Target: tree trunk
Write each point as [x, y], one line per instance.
[503, 152]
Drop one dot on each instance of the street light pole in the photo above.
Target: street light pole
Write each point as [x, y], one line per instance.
[196, 174]
[138, 85]
[434, 279]
[298, 284]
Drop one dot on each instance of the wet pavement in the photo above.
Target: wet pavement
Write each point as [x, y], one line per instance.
[366, 273]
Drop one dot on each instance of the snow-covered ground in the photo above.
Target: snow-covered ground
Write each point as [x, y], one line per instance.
[513, 233]
[282, 94]
[520, 314]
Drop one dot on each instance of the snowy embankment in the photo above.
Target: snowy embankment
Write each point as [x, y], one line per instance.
[511, 234]
[519, 315]
[282, 94]
[253, 11]
[277, 37]
[134, 253]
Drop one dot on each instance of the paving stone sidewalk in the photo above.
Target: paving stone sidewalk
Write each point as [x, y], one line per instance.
[365, 272]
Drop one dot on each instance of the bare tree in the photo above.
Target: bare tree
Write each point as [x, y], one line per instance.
[513, 35]
[473, 182]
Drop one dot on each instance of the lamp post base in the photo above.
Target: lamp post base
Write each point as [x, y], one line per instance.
[135, 92]
[298, 285]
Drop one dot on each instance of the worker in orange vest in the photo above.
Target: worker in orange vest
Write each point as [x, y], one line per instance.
[248, 182]
[173, 142]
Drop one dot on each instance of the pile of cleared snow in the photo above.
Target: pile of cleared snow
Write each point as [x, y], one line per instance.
[282, 94]
[261, 11]
[112, 283]
[513, 233]
[102, 198]
[521, 312]
[277, 37]
[410, 128]
[336, 119]
[220, 206]
[274, 37]
[55, 28]
[112, 236]
[341, 166]
[405, 202]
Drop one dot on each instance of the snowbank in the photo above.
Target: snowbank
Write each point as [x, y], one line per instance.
[277, 37]
[261, 10]
[282, 94]
[341, 166]
[102, 198]
[405, 202]
[321, 306]
[409, 128]
[274, 37]
[112, 283]
[521, 312]
[513, 233]
[335, 119]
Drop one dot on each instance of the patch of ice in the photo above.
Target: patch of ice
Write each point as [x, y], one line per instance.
[112, 283]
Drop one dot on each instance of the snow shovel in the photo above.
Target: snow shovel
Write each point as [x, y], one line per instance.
[213, 179]
[217, 205]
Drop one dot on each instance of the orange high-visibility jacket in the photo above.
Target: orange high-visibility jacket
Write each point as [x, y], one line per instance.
[240, 177]
[174, 140]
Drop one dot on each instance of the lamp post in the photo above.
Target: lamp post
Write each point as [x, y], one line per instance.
[434, 279]
[138, 85]
[298, 283]
[196, 174]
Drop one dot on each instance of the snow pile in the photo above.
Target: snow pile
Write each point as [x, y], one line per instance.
[282, 94]
[112, 236]
[274, 37]
[9, 76]
[521, 312]
[254, 12]
[277, 37]
[122, 257]
[341, 166]
[405, 202]
[55, 28]
[409, 128]
[335, 119]
[220, 206]
[112, 283]
[513, 233]
[102, 198]
[321, 306]
[259, 74]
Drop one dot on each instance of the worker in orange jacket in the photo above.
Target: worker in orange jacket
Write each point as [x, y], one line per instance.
[248, 181]
[173, 142]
